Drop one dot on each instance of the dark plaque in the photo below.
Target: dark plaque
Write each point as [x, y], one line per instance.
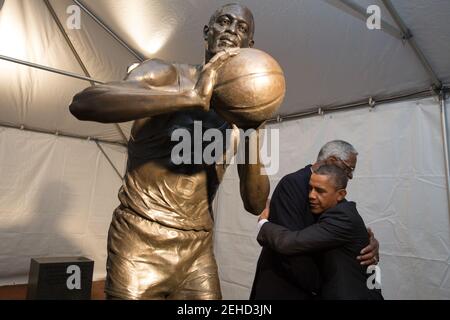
[61, 278]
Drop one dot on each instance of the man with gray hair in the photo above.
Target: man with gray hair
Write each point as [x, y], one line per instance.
[281, 277]
[340, 152]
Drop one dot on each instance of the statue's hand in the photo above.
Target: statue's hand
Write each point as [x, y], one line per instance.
[205, 84]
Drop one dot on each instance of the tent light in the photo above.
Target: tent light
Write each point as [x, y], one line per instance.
[12, 34]
[143, 27]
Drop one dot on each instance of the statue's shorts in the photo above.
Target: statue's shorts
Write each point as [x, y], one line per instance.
[147, 260]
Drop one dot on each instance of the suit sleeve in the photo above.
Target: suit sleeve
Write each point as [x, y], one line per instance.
[332, 230]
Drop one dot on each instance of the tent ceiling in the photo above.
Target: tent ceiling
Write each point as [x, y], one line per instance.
[427, 21]
[328, 55]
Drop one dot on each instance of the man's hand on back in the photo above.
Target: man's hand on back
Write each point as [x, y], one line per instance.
[370, 255]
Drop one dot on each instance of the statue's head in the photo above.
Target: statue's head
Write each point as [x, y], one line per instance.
[231, 26]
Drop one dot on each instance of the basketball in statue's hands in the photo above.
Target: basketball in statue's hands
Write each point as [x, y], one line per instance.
[250, 88]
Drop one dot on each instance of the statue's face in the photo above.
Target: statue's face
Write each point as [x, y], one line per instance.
[232, 27]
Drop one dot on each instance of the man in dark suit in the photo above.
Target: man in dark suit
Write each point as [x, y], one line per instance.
[278, 276]
[338, 235]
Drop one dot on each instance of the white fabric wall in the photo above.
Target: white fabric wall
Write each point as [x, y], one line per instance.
[399, 186]
[57, 196]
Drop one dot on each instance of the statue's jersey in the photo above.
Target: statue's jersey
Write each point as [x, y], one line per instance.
[177, 196]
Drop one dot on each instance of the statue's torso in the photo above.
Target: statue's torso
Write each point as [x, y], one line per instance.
[178, 196]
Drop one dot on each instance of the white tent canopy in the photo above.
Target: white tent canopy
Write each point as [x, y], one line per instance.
[330, 58]
[307, 37]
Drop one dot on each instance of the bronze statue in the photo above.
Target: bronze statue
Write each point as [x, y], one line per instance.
[160, 242]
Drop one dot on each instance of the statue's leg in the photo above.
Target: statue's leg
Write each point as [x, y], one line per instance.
[202, 278]
[136, 268]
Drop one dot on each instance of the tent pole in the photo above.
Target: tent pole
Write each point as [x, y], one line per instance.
[360, 13]
[137, 55]
[49, 69]
[409, 38]
[358, 104]
[66, 37]
[443, 100]
[77, 56]
[61, 134]
[109, 160]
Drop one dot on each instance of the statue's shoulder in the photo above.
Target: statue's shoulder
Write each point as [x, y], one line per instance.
[154, 72]
[151, 63]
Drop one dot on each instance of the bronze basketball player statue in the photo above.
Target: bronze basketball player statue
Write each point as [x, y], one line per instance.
[160, 242]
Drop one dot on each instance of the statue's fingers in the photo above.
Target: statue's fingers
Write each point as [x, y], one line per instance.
[228, 53]
[233, 51]
[220, 58]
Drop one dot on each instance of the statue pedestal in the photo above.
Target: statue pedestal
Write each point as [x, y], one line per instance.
[60, 278]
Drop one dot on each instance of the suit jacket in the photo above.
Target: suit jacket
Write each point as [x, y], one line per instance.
[339, 235]
[276, 276]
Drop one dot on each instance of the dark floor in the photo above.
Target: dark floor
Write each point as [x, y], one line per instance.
[19, 292]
